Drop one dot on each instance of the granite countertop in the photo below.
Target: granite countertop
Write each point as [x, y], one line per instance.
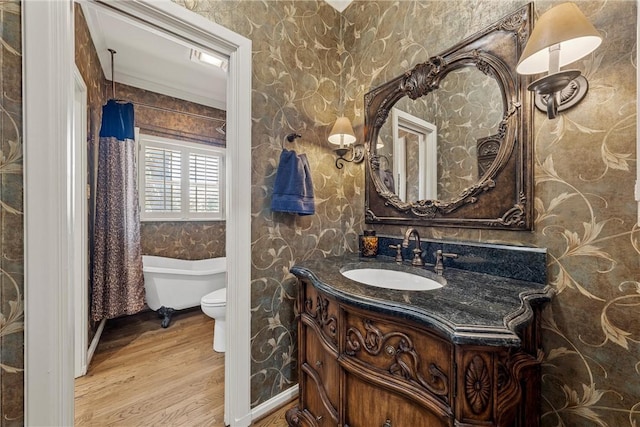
[471, 308]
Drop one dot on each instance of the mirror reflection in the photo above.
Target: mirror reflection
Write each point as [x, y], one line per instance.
[435, 147]
[449, 140]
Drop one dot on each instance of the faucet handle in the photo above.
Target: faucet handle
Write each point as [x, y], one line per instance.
[398, 249]
[449, 255]
[417, 258]
[439, 267]
[441, 255]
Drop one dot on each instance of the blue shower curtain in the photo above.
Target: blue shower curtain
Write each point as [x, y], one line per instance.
[118, 284]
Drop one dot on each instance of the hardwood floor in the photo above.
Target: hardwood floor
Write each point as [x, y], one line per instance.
[276, 418]
[144, 375]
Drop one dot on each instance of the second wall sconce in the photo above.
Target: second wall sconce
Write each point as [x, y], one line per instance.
[561, 36]
[342, 135]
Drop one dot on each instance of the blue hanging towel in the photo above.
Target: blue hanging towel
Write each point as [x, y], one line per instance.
[293, 190]
[117, 120]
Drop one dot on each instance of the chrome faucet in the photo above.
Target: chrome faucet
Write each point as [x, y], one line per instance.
[417, 252]
[440, 256]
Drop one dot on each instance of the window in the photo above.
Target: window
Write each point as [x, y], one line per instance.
[180, 180]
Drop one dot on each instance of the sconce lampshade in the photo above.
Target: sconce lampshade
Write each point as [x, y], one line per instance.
[342, 132]
[566, 25]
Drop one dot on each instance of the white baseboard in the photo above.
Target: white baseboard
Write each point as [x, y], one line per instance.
[95, 341]
[274, 403]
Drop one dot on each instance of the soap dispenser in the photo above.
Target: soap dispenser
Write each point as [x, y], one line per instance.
[369, 244]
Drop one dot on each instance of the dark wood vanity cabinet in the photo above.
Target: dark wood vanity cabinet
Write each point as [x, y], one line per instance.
[363, 369]
[319, 372]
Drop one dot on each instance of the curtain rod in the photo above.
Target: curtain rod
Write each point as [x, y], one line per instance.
[154, 107]
[170, 110]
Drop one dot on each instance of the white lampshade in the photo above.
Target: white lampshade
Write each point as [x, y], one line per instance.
[342, 132]
[565, 25]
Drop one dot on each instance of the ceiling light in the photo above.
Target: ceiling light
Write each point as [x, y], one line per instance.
[210, 59]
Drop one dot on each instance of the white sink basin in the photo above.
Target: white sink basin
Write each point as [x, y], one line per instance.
[391, 279]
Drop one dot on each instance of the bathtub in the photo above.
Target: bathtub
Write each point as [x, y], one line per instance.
[175, 284]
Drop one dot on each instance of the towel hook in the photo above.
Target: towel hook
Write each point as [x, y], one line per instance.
[291, 137]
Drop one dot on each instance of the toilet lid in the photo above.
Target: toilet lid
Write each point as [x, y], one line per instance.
[218, 297]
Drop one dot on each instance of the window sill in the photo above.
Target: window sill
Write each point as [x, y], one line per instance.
[182, 220]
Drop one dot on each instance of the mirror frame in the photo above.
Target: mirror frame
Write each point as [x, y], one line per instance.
[502, 198]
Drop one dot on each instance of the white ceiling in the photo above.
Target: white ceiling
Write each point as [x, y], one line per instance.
[153, 60]
[339, 5]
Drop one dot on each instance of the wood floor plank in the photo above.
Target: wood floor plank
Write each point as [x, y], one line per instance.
[144, 375]
[275, 419]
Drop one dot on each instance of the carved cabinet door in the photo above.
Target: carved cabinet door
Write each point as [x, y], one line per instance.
[319, 370]
[321, 376]
[367, 405]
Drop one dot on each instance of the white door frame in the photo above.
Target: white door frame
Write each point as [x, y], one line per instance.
[427, 154]
[48, 57]
[78, 195]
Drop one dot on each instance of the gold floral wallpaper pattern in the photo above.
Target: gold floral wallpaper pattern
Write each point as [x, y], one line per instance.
[584, 204]
[184, 240]
[469, 107]
[296, 73]
[11, 218]
[170, 117]
[304, 64]
[585, 169]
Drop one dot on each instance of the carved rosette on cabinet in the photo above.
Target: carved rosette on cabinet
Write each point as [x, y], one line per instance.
[500, 386]
[477, 385]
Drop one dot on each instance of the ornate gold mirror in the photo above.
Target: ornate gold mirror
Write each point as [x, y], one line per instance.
[449, 141]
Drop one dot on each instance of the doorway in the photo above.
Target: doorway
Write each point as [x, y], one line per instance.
[49, 230]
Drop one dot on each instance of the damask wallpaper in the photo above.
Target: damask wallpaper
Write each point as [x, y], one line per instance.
[296, 73]
[469, 107]
[584, 204]
[584, 163]
[11, 219]
[170, 117]
[184, 240]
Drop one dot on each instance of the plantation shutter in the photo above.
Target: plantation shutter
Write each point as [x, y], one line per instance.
[204, 183]
[162, 169]
[181, 180]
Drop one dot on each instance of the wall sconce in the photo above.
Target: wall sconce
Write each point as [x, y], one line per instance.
[342, 134]
[561, 36]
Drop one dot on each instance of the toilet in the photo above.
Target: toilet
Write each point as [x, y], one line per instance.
[214, 305]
